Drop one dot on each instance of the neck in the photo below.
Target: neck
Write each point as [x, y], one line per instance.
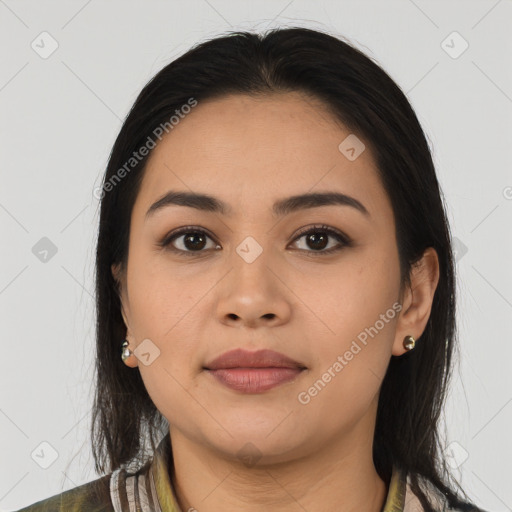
[340, 477]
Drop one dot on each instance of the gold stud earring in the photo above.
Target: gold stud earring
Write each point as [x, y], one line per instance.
[409, 343]
[126, 352]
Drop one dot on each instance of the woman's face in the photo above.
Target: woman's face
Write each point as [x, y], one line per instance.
[254, 281]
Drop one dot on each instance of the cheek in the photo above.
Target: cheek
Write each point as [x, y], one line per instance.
[164, 309]
[355, 316]
[350, 297]
[160, 295]
[350, 362]
[166, 314]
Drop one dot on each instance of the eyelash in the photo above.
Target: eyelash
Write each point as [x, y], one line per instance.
[340, 237]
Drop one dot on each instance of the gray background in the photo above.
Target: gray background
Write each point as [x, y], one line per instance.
[60, 116]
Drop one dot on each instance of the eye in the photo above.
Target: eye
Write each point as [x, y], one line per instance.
[189, 239]
[317, 238]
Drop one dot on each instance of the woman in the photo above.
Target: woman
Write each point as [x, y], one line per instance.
[275, 290]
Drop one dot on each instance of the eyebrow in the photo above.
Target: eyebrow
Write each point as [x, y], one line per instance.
[281, 207]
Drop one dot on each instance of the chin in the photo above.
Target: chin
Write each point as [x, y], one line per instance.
[256, 445]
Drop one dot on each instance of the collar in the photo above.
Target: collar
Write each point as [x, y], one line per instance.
[395, 501]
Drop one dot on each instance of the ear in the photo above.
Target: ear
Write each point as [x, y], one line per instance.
[417, 300]
[132, 361]
[115, 268]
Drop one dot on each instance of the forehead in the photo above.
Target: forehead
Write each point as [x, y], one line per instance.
[255, 150]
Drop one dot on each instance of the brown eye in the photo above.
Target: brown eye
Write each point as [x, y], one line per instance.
[316, 239]
[188, 240]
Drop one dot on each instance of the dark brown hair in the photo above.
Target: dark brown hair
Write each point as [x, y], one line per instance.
[360, 94]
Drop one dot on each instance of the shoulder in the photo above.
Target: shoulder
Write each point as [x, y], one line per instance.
[93, 496]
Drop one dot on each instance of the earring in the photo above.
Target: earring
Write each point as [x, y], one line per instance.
[409, 342]
[126, 352]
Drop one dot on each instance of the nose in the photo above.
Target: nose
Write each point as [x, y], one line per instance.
[254, 294]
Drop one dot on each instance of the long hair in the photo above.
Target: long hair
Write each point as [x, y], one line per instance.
[359, 94]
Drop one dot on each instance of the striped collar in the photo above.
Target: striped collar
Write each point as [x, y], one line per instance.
[150, 489]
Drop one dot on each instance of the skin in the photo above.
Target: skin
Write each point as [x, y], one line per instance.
[250, 152]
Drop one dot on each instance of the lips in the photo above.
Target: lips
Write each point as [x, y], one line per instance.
[253, 372]
[240, 358]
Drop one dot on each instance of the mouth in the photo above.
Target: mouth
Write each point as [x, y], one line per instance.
[253, 372]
